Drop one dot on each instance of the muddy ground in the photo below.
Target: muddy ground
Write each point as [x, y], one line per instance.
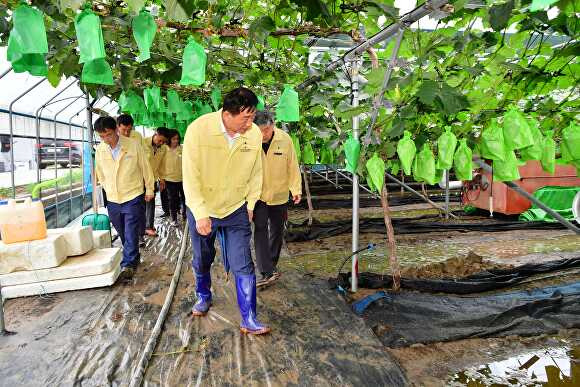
[121, 317]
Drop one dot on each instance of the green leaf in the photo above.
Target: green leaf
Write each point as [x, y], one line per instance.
[70, 4]
[54, 75]
[427, 92]
[314, 9]
[499, 15]
[260, 29]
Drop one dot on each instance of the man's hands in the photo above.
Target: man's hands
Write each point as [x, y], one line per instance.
[148, 198]
[203, 226]
[251, 215]
[161, 185]
[296, 199]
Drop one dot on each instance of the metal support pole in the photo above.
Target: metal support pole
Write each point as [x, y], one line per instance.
[374, 195]
[355, 183]
[530, 197]
[83, 161]
[381, 97]
[432, 203]
[11, 126]
[325, 178]
[91, 142]
[447, 194]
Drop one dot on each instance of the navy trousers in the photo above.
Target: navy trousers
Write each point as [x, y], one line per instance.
[234, 232]
[127, 218]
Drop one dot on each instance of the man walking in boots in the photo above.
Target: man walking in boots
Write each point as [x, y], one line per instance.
[222, 180]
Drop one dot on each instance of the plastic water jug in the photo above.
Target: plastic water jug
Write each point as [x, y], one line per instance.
[21, 222]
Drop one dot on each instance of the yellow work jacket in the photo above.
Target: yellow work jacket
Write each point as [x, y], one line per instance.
[281, 170]
[123, 179]
[155, 156]
[135, 135]
[217, 179]
[172, 164]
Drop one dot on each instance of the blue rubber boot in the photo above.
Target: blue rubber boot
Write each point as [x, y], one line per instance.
[246, 291]
[203, 292]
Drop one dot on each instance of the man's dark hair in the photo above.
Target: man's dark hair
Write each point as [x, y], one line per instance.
[240, 99]
[173, 134]
[163, 131]
[264, 118]
[125, 119]
[103, 123]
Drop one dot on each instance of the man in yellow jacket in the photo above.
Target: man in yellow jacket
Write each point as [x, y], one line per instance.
[222, 180]
[125, 128]
[155, 153]
[281, 175]
[123, 170]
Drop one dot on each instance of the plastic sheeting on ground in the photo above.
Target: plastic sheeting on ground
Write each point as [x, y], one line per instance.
[95, 337]
[559, 199]
[417, 225]
[406, 318]
[476, 283]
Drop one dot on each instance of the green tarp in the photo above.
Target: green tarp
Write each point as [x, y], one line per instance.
[558, 199]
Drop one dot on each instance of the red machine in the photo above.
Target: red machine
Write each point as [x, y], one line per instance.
[478, 192]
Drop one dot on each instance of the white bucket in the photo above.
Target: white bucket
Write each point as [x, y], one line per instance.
[576, 207]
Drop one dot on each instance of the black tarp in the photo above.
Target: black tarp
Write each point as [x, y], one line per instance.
[484, 281]
[416, 225]
[406, 318]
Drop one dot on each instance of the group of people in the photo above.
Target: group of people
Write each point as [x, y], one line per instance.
[234, 168]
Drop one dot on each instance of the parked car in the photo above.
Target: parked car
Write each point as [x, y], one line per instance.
[5, 164]
[48, 153]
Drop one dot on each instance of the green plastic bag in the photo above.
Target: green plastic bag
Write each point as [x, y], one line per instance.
[186, 112]
[446, 144]
[261, 104]
[426, 165]
[308, 155]
[89, 36]
[507, 169]
[351, 153]
[516, 131]
[416, 177]
[181, 127]
[376, 169]
[174, 103]
[370, 183]
[204, 109]
[194, 62]
[153, 99]
[169, 121]
[288, 107]
[406, 150]
[534, 152]
[571, 141]
[296, 143]
[463, 161]
[549, 153]
[492, 142]
[216, 98]
[144, 29]
[394, 167]
[326, 156]
[27, 43]
[97, 71]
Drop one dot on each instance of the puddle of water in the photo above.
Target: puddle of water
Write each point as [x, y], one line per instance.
[549, 367]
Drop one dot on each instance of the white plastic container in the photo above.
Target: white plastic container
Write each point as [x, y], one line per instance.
[20, 222]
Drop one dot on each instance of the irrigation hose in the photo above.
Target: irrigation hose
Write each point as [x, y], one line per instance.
[139, 372]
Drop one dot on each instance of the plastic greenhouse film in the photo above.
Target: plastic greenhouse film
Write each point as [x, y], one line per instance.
[194, 62]
[288, 107]
[506, 170]
[96, 336]
[516, 130]
[492, 145]
[406, 150]
[463, 161]
[446, 144]
[144, 29]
